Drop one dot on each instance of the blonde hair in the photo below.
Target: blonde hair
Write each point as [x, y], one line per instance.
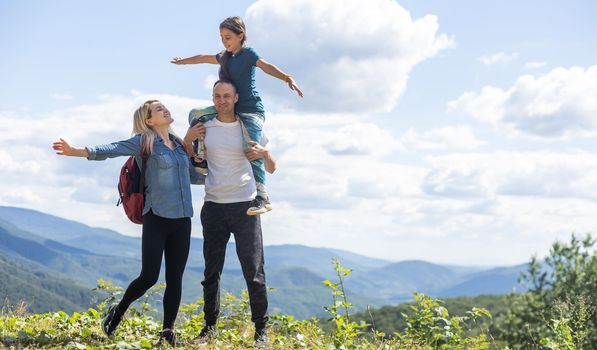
[140, 127]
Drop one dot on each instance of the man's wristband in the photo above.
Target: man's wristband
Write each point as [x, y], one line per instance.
[287, 78]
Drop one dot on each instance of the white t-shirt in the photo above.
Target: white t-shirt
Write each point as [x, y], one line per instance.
[230, 176]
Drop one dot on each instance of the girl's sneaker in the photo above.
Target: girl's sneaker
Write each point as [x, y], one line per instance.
[200, 165]
[259, 206]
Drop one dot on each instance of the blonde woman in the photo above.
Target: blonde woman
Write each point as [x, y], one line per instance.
[167, 212]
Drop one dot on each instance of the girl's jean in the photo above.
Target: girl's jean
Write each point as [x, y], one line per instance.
[253, 131]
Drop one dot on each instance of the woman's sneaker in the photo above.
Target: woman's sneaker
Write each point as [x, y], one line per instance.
[259, 206]
[205, 335]
[167, 335]
[111, 320]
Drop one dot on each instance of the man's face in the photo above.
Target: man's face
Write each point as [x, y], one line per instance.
[224, 98]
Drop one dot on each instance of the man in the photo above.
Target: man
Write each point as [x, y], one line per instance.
[229, 191]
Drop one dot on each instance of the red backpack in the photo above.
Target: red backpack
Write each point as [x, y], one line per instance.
[131, 186]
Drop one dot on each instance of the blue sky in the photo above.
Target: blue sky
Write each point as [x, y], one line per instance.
[458, 132]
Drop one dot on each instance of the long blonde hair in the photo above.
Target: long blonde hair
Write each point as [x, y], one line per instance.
[140, 127]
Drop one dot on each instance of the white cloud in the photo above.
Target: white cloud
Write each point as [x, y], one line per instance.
[361, 139]
[454, 138]
[376, 201]
[21, 161]
[33, 176]
[208, 82]
[500, 57]
[21, 195]
[352, 56]
[531, 174]
[485, 201]
[535, 65]
[559, 104]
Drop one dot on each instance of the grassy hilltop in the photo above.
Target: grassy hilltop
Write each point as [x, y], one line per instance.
[557, 312]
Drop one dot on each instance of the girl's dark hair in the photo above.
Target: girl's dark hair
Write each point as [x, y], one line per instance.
[237, 26]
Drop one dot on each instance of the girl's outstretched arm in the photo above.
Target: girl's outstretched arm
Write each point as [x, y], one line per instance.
[195, 59]
[277, 73]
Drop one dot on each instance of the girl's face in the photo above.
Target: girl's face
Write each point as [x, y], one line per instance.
[232, 42]
[160, 115]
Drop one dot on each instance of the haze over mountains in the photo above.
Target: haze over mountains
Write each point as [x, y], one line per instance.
[52, 263]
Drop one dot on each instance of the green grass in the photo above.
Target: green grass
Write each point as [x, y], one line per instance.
[429, 326]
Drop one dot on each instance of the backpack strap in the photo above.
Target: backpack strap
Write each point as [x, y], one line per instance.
[182, 144]
[144, 157]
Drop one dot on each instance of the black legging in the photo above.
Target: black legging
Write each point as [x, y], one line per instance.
[172, 237]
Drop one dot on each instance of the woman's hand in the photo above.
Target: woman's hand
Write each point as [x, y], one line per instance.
[64, 149]
[194, 132]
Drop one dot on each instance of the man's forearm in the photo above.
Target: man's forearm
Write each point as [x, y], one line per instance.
[269, 161]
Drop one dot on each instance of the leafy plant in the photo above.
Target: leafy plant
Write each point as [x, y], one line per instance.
[345, 331]
[557, 313]
[430, 325]
[561, 301]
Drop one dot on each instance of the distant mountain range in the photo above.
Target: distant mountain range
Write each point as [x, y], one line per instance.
[47, 251]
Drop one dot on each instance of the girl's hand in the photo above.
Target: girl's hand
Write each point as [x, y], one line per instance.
[64, 149]
[176, 60]
[292, 85]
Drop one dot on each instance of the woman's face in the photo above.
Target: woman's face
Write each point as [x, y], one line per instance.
[230, 40]
[160, 115]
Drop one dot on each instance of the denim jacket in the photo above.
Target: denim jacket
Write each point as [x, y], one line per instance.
[168, 174]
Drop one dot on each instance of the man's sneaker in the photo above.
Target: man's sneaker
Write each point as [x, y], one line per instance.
[200, 165]
[260, 337]
[167, 335]
[111, 320]
[205, 335]
[259, 206]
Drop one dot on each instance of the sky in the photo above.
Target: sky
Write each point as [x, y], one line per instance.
[458, 132]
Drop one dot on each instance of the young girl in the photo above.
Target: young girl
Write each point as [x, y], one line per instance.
[166, 218]
[237, 64]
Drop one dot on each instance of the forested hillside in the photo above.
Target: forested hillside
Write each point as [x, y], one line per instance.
[40, 291]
